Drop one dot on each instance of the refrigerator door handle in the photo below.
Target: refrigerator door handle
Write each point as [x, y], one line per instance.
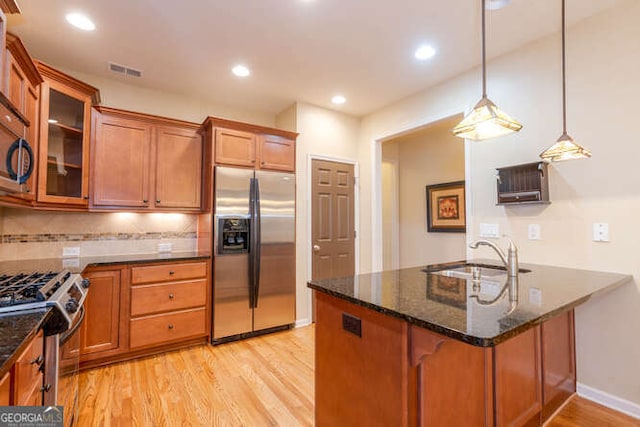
[252, 243]
[258, 242]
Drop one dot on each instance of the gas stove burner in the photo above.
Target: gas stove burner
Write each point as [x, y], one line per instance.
[64, 291]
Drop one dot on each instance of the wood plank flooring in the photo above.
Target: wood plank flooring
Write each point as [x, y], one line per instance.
[263, 381]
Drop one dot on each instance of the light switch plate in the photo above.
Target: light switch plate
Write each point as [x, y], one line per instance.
[534, 232]
[489, 230]
[600, 232]
[73, 251]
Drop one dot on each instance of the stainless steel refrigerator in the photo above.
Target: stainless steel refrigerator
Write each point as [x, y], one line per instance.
[254, 252]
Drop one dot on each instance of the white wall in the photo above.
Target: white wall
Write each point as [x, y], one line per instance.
[326, 133]
[603, 89]
[120, 94]
[428, 156]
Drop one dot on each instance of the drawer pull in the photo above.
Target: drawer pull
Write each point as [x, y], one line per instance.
[171, 296]
[171, 273]
[46, 388]
[37, 360]
[170, 326]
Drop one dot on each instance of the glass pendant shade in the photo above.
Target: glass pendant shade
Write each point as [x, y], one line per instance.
[486, 121]
[565, 149]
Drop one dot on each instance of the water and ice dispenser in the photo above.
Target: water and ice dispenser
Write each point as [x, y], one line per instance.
[233, 235]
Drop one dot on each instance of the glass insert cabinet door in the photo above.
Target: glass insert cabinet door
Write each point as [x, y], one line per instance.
[64, 144]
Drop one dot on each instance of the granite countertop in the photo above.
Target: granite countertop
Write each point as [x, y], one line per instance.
[77, 265]
[499, 310]
[17, 328]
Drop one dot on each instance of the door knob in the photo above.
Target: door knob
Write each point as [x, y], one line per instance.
[316, 248]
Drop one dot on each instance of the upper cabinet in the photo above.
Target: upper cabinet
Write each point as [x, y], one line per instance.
[22, 89]
[65, 121]
[145, 162]
[242, 144]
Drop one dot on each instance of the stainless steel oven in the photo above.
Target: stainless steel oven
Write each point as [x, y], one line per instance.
[63, 380]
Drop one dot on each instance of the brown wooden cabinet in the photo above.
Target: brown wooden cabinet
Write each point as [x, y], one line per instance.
[360, 378]
[27, 375]
[100, 331]
[168, 304]
[22, 89]
[65, 122]
[134, 310]
[252, 146]
[5, 390]
[145, 162]
[428, 379]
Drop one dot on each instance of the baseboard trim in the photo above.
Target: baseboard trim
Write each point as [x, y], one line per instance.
[302, 322]
[610, 401]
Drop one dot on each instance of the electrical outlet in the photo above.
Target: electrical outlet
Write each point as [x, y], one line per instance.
[600, 232]
[489, 230]
[165, 247]
[534, 232]
[70, 252]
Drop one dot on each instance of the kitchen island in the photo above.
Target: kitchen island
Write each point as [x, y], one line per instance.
[419, 346]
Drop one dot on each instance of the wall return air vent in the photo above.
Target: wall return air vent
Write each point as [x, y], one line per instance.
[124, 70]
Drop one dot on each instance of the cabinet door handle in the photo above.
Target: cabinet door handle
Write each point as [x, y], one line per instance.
[37, 360]
[157, 200]
[86, 197]
[171, 296]
[170, 326]
[171, 273]
[145, 201]
[45, 388]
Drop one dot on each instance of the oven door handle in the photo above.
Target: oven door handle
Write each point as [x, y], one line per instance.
[68, 334]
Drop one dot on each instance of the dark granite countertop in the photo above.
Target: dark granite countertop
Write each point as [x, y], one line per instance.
[447, 305]
[77, 265]
[16, 330]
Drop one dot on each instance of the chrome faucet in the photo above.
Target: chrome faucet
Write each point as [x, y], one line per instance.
[510, 260]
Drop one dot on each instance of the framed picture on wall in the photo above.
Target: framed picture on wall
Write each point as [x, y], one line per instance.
[446, 208]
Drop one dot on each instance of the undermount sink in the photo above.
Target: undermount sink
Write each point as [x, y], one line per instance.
[477, 271]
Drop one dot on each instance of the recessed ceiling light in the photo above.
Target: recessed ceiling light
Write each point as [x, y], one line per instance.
[424, 52]
[338, 100]
[496, 4]
[81, 21]
[241, 71]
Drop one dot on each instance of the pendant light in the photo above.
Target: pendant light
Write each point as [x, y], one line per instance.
[565, 148]
[486, 120]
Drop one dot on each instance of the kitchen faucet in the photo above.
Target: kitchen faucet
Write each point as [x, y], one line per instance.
[510, 261]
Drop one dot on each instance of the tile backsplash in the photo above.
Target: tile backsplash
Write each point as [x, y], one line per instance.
[28, 234]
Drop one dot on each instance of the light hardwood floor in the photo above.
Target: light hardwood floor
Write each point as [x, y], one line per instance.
[263, 381]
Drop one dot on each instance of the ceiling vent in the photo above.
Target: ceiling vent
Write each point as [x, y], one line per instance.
[123, 69]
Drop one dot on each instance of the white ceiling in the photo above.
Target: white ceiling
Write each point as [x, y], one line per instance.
[298, 50]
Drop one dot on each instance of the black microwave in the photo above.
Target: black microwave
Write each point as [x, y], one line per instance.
[16, 156]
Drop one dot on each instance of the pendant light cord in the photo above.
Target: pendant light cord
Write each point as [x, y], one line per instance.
[564, 75]
[484, 53]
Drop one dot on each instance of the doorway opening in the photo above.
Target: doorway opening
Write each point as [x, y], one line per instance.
[424, 156]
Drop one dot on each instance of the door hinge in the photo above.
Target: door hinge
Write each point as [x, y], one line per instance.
[355, 234]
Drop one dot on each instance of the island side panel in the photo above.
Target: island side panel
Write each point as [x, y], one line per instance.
[558, 362]
[359, 380]
[453, 381]
[518, 380]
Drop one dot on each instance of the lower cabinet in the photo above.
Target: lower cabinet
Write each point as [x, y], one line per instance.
[27, 374]
[101, 330]
[141, 309]
[373, 369]
[361, 368]
[5, 390]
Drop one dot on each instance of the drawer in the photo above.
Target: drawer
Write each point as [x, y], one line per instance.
[149, 299]
[168, 272]
[166, 328]
[27, 375]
